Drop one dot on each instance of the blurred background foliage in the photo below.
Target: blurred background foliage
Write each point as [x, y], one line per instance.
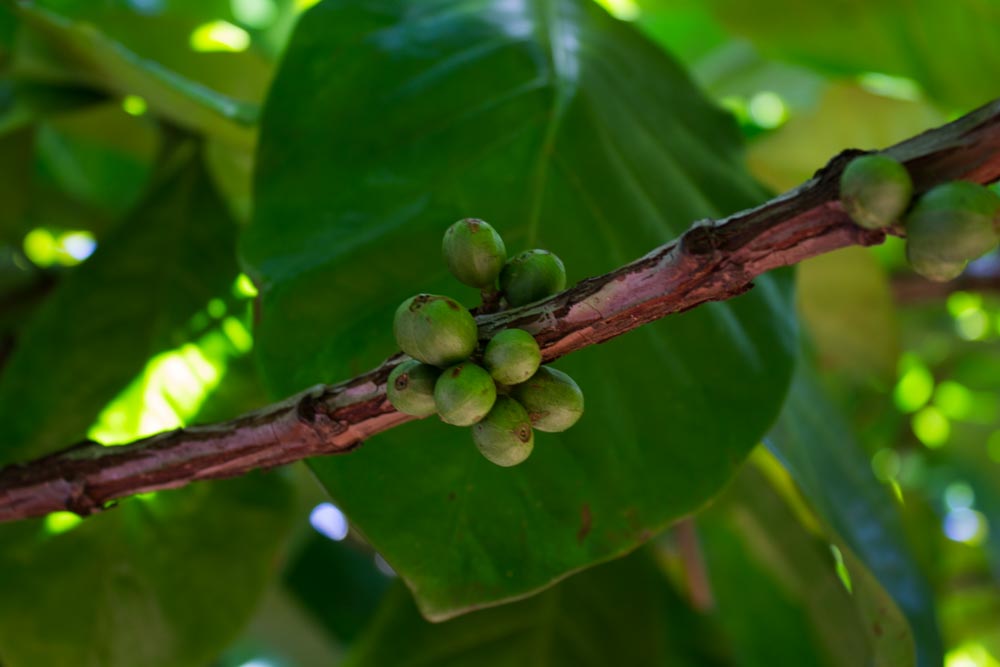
[865, 529]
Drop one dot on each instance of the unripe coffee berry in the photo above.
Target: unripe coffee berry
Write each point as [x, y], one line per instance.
[474, 252]
[875, 190]
[512, 356]
[532, 275]
[464, 394]
[504, 436]
[553, 400]
[949, 225]
[410, 388]
[435, 330]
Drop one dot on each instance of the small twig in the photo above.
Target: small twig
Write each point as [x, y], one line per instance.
[698, 584]
[712, 261]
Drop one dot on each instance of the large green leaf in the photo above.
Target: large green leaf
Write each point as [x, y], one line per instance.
[112, 313]
[115, 48]
[567, 130]
[778, 591]
[623, 613]
[158, 582]
[948, 47]
[817, 447]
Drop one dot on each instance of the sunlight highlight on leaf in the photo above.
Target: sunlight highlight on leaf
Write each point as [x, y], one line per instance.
[896, 87]
[173, 386]
[302, 5]
[972, 654]
[244, 287]
[60, 522]
[219, 36]
[625, 10]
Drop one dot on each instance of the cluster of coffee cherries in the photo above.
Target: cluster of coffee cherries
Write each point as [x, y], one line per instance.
[946, 227]
[504, 394]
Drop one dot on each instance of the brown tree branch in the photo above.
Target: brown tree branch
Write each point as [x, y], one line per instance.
[712, 261]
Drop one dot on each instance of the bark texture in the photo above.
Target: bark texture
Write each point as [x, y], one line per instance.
[712, 261]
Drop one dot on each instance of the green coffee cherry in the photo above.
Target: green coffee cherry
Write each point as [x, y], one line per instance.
[474, 252]
[553, 400]
[532, 275]
[435, 330]
[875, 190]
[410, 388]
[932, 268]
[504, 436]
[464, 394]
[512, 356]
[951, 224]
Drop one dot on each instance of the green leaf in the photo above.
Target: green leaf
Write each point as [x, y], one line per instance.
[21, 104]
[160, 581]
[622, 613]
[847, 307]
[338, 583]
[779, 593]
[566, 130]
[948, 47]
[69, 45]
[815, 444]
[101, 157]
[130, 300]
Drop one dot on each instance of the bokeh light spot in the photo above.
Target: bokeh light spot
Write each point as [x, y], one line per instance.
[965, 525]
[134, 105]
[931, 427]
[915, 386]
[258, 14]
[329, 521]
[768, 110]
[47, 247]
[959, 495]
[238, 334]
[886, 465]
[954, 400]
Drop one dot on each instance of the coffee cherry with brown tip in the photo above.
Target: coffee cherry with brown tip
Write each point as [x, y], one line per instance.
[553, 400]
[435, 329]
[504, 436]
[474, 252]
[464, 394]
[410, 388]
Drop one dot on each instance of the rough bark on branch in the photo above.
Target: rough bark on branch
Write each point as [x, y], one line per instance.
[712, 261]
